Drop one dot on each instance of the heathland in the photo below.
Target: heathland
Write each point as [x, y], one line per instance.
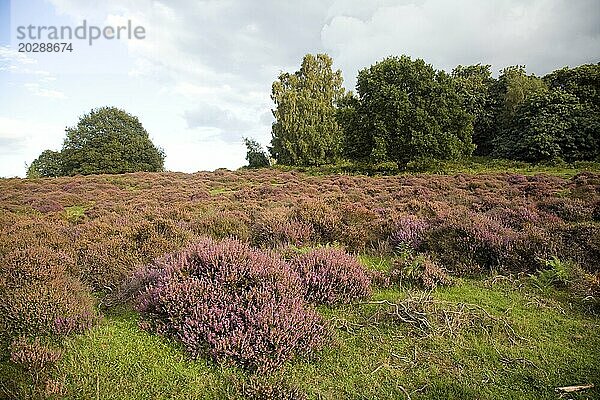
[280, 284]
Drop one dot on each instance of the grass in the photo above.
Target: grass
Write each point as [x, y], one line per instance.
[74, 214]
[554, 344]
[473, 165]
[117, 360]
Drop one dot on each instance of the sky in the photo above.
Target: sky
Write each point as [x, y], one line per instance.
[200, 79]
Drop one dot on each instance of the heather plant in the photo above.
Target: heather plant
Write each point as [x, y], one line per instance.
[408, 231]
[331, 276]
[41, 308]
[231, 303]
[278, 226]
[469, 243]
[37, 292]
[222, 224]
[322, 217]
[581, 242]
[105, 264]
[360, 226]
[32, 363]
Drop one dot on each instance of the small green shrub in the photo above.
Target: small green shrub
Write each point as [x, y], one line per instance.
[556, 273]
[418, 269]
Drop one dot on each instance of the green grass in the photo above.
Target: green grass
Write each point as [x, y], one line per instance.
[218, 191]
[117, 360]
[554, 344]
[473, 165]
[74, 213]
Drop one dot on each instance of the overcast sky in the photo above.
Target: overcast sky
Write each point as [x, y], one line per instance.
[201, 78]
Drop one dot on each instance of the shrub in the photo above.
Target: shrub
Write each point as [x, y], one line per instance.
[33, 354]
[582, 243]
[222, 224]
[38, 297]
[408, 231]
[105, 264]
[30, 371]
[321, 216]
[230, 302]
[469, 243]
[331, 276]
[420, 270]
[277, 227]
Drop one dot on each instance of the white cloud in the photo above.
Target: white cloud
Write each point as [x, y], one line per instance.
[38, 90]
[21, 141]
[39, 81]
[543, 35]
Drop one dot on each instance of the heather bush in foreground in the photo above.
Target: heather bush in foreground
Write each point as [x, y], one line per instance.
[230, 302]
[331, 276]
[32, 366]
[39, 297]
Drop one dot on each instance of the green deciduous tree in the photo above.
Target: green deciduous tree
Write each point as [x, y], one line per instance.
[515, 88]
[109, 141]
[554, 118]
[306, 131]
[48, 164]
[255, 155]
[582, 81]
[411, 111]
[551, 125]
[105, 141]
[474, 85]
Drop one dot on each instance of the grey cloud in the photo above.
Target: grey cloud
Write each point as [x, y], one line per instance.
[543, 35]
[235, 48]
[209, 116]
[10, 145]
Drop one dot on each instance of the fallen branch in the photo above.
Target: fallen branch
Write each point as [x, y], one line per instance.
[571, 389]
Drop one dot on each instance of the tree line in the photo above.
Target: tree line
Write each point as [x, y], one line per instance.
[405, 111]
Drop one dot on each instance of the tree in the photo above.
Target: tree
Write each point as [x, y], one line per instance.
[48, 164]
[109, 141]
[556, 117]
[518, 87]
[582, 81]
[411, 111]
[255, 155]
[355, 138]
[474, 85]
[306, 131]
[552, 125]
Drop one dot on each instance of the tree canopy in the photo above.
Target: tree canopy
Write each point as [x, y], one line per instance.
[105, 141]
[408, 111]
[255, 155]
[48, 164]
[557, 118]
[306, 131]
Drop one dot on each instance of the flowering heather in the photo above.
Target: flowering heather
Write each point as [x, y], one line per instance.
[37, 291]
[62, 235]
[33, 354]
[232, 303]
[331, 276]
[409, 231]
